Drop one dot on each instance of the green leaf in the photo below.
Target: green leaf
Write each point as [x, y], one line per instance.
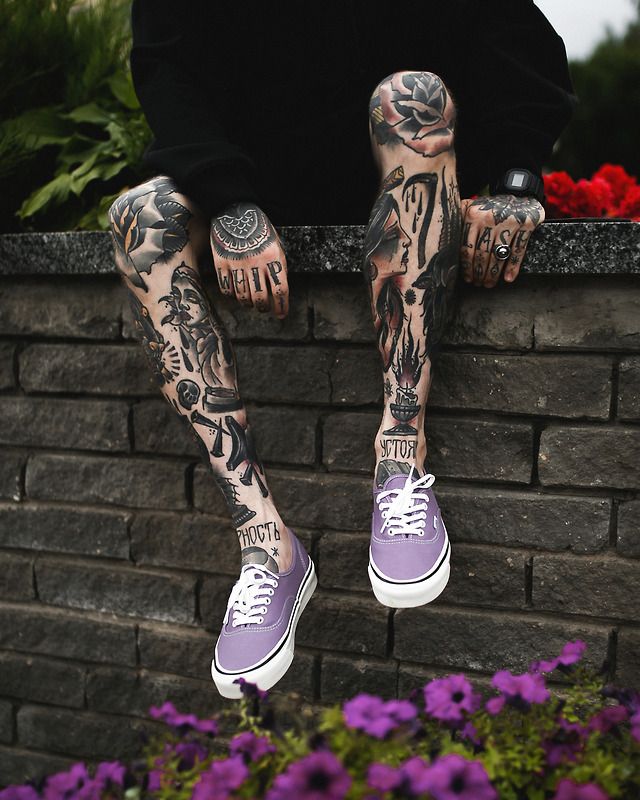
[54, 192]
[38, 127]
[122, 87]
[90, 113]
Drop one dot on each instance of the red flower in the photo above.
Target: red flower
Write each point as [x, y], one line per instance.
[591, 198]
[559, 188]
[618, 179]
[630, 205]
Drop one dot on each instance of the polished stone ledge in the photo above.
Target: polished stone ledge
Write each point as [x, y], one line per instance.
[557, 248]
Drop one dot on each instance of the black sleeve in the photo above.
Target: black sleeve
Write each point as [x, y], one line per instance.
[523, 96]
[190, 144]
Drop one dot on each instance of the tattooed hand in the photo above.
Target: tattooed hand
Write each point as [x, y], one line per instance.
[490, 221]
[249, 259]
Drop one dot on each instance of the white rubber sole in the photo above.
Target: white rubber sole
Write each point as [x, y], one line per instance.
[275, 666]
[416, 593]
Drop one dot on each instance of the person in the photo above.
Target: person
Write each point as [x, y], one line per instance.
[259, 116]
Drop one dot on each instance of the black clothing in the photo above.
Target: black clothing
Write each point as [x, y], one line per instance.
[268, 102]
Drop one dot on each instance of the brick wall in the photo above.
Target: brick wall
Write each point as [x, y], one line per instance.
[116, 555]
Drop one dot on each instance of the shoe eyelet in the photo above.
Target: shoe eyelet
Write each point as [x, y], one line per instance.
[267, 601]
[260, 620]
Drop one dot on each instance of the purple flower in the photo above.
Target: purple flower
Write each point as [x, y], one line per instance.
[220, 779]
[372, 715]
[409, 779]
[111, 771]
[189, 753]
[63, 783]
[448, 699]
[608, 718]
[383, 777]
[153, 782]
[452, 777]
[318, 776]
[565, 743]
[251, 690]
[168, 714]
[518, 690]
[416, 773]
[250, 746]
[568, 790]
[19, 793]
[570, 654]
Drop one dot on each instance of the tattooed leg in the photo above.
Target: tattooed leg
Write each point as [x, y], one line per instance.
[159, 237]
[411, 253]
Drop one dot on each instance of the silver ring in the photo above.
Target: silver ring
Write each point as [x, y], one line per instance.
[502, 252]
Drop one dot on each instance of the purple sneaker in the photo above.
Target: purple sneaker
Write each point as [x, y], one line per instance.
[409, 552]
[258, 632]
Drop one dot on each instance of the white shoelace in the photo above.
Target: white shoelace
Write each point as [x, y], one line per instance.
[404, 510]
[251, 595]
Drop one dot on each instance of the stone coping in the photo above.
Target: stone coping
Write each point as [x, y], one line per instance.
[575, 247]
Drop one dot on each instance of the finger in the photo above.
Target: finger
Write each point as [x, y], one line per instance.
[482, 254]
[241, 285]
[277, 272]
[513, 268]
[224, 279]
[496, 265]
[519, 244]
[259, 287]
[467, 249]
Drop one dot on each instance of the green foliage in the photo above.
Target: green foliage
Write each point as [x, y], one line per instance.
[605, 122]
[75, 133]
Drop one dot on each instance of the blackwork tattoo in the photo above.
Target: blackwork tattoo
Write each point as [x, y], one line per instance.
[162, 356]
[389, 467]
[188, 393]
[274, 268]
[258, 555]
[413, 108]
[425, 182]
[274, 552]
[439, 277]
[260, 533]
[216, 426]
[240, 513]
[202, 331]
[523, 209]
[406, 369]
[148, 226]
[243, 450]
[244, 230]
[395, 449]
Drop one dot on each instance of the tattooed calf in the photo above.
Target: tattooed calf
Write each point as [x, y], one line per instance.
[404, 449]
[251, 535]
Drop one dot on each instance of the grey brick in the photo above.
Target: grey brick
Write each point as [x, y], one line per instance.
[342, 561]
[11, 466]
[81, 734]
[629, 389]
[7, 378]
[86, 531]
[461, 448]
[62, 633]
[565, 386]
[123, 481]
[17, 766]
[503, 321]
[591, 314]
[123, 691]
[213, 594]
[285, 435]
[160, 429]
[61, 307]
[348, 441]
[16, 581]
[356, 377]
[629, 528]
[71, 424]
[179, 650]
[628, 658]
[127, 591]
[284, 374]
[525, 519]
[343, 678]
[602, 586]
[43, 680]
[6, 726]
[590, 457]
[86, 369]
[487, 641]
[344, 624]
[486, 576]
[299, 679]
[190, 541]
[342, 311]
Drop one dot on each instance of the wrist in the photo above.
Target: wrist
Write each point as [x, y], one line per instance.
[520, 182]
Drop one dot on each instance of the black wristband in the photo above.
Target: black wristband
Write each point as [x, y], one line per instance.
[519, 182]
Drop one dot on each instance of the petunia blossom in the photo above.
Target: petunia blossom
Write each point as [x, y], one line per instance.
[566, 742]
[569, 790]
[220, 779]
[318, 776]
[449, 699]
[571, 653]
[376, 717]
[250, 746]
[521, 690]
[453, 777]
[608, 718]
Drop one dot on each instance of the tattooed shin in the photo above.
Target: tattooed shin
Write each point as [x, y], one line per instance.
[148, 226]
[244, 230]
[257, 543]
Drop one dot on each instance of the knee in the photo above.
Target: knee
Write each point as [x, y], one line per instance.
[415, 109]
[148, 223]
